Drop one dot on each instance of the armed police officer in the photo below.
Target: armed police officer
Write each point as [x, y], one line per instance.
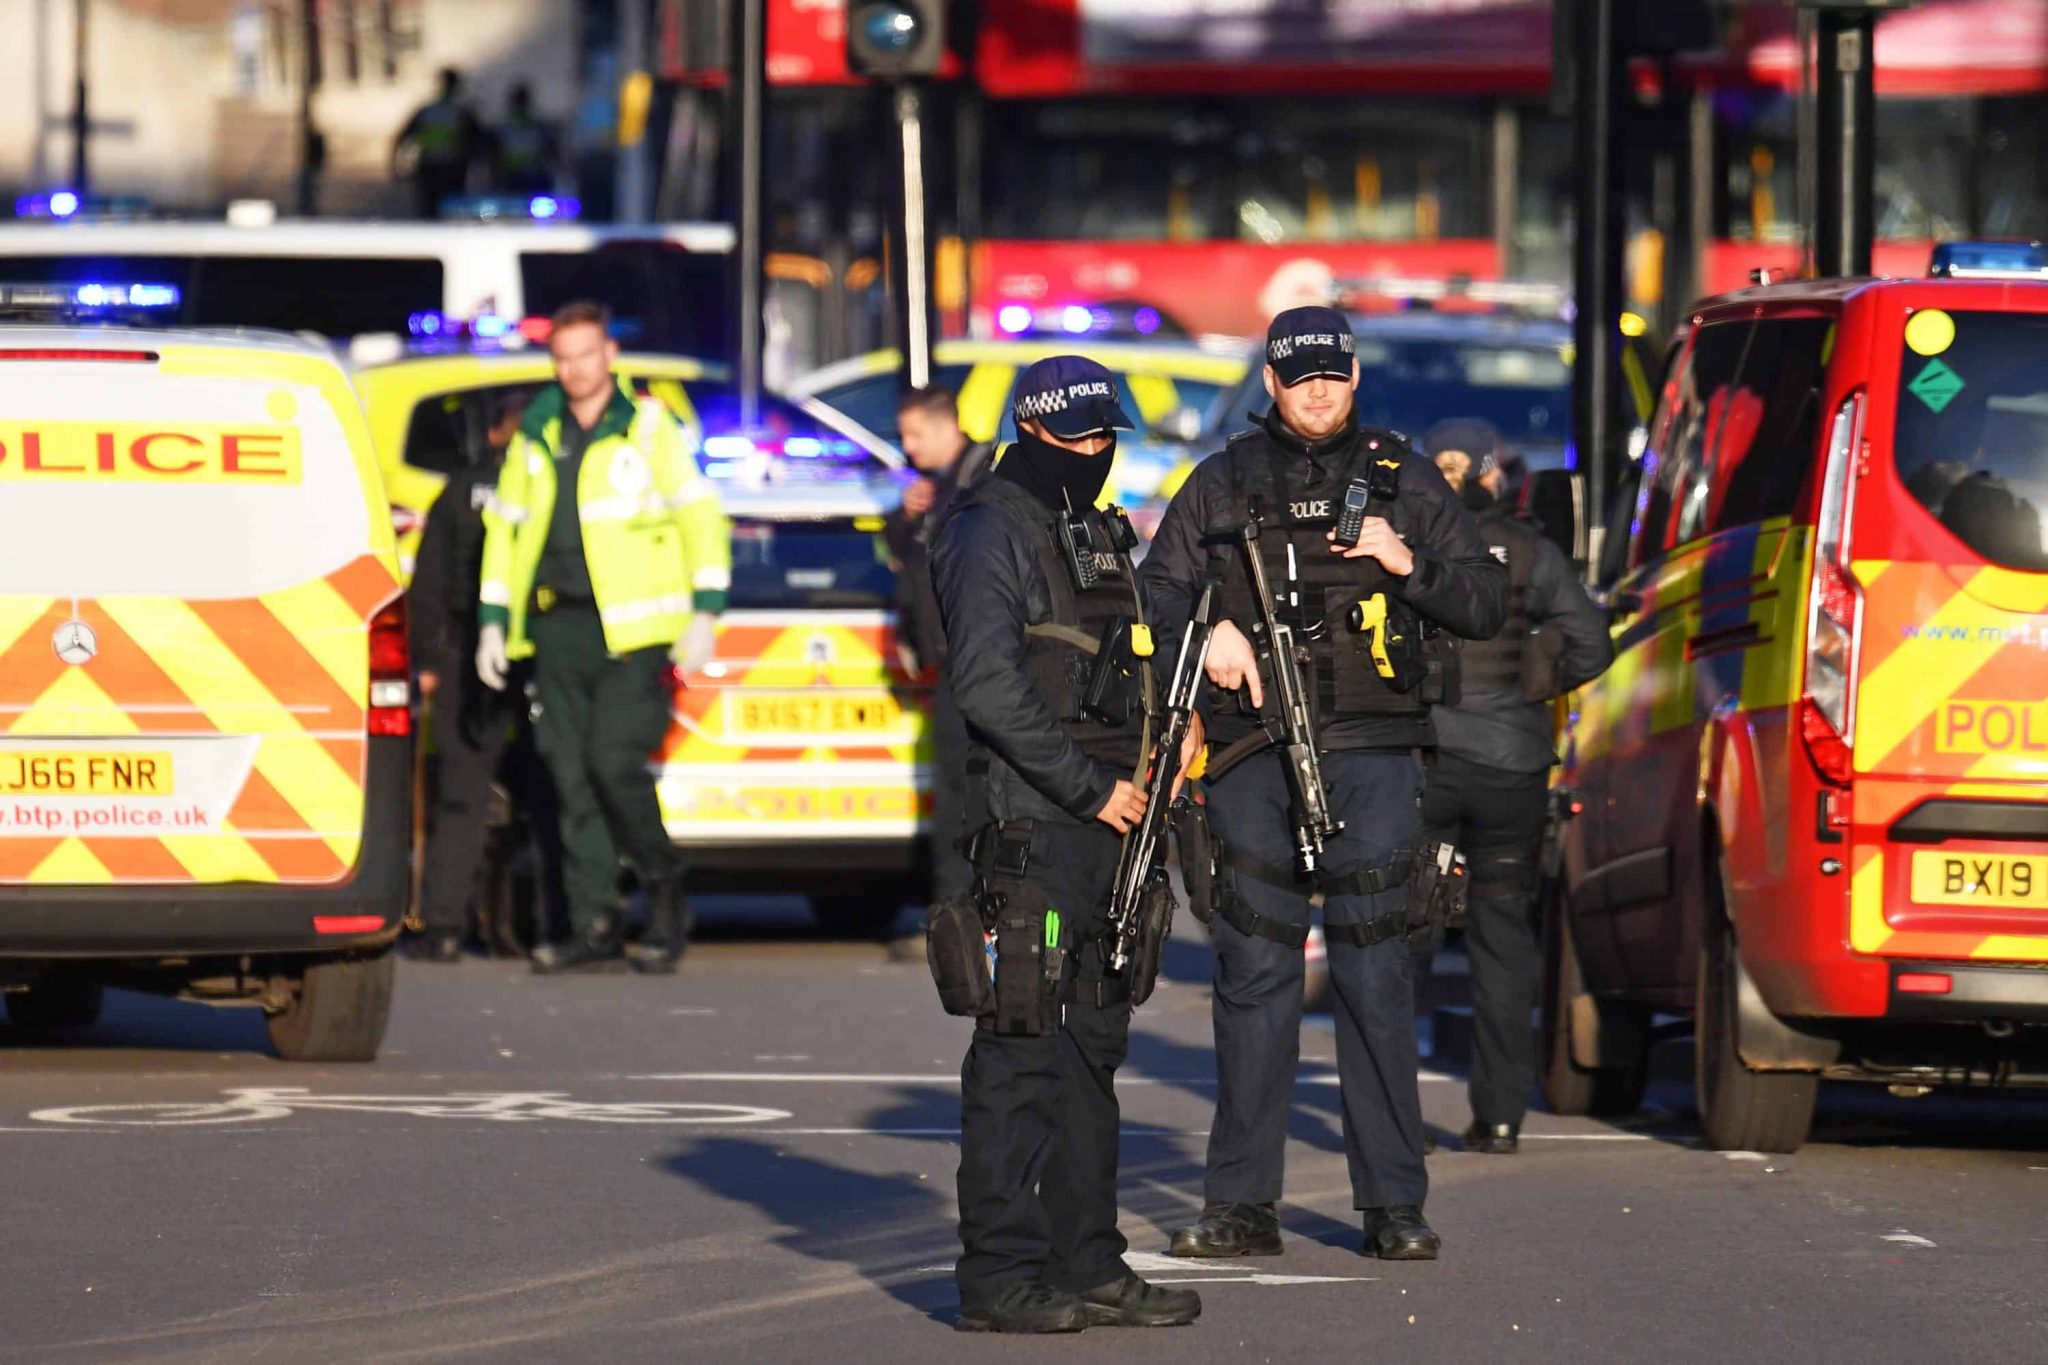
[1047, 656]
[1315, 789]
[1488, 788]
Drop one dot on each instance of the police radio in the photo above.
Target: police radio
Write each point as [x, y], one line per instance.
[1351, 517]
[1077, 547]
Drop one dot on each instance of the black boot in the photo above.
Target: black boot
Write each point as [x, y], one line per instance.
[1494, 1139]
[669, 922]
[1230, 1230]
[1130, 1302]
[1399, 1234]
[596, 949]
[433, 945]
[1032, 1306]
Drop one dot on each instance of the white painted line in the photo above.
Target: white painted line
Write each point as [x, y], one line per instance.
[1905, 1238]
[1744, 1156]
[948, 1132]
[1260, 1278]
[941, 1078]
[1588, 1137]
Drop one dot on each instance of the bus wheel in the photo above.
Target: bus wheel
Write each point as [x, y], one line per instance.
[1740, 1109]
[1606, 1091]
[60, 1000]
[338, 1012]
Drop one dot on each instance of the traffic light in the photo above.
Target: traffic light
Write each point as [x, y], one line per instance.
[891, 39]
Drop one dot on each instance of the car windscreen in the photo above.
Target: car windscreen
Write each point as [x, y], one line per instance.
[335, 296]
[784, 445]
[123, 479]
[1971, 442]
[661, 297]
[1410, 384]
[808, 566]
[871, 400]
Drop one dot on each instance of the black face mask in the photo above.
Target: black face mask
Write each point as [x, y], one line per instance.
[1478, 497]
[1056, 476]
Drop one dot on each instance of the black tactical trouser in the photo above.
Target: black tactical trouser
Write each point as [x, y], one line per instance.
[601, 719]
[1038, 1116]
[1257, 1007]
[470, 733]
[1496, 817]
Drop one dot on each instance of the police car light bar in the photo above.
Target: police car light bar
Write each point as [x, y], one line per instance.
[1989, 261]
[66, 205]
[539, 208]
[1078, 319]
[64, 299]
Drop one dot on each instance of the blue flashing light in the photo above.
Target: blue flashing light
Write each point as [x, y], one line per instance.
[96, 295]
[545, 208]
[489, 326]
[63, 204]
[803, 447]
[427, 324]
[1989, 260]
[92, 296]
[153, 296]
[1013, 318]
[1076, 320]
[727, 447]
[1145, 321]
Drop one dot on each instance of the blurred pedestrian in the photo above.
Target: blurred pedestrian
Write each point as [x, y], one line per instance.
[524, 152]
[471, 724]
[607, 561]
[437, 147]
[1487, 788]
[947, 462]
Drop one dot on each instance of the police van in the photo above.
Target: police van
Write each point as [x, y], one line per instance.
[1813, 811]
[205, 725]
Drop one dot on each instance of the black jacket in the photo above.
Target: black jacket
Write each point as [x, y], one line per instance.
[910, 544]
[990, 586]
[1456, 582]
[1493, 725]
[441, 603]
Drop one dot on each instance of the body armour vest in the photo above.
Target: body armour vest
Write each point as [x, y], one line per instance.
[1501, 663]
[1316, 591]
[1090, 663]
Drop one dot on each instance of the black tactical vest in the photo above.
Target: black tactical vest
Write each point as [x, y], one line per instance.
[1103, 701]
[1501, 662]
[1316, 589]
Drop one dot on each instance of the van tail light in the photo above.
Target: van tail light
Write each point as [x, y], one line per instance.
[390, 672]
[1834, 612]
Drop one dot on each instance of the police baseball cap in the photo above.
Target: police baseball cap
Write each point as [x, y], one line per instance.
[1072, 395]
[1468, 435]
[1305, 342]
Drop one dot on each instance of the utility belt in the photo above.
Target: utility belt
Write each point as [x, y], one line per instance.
[547, 599]
[1434, 873]
[1007, 956]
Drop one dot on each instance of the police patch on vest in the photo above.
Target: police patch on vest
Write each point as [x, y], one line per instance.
[1315, 509]
[1500, 552]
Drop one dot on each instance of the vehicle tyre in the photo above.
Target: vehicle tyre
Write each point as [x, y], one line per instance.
[866, 913]
[62, 1000]
[1568, 1088]
[1740, 1110]
[338, 1013]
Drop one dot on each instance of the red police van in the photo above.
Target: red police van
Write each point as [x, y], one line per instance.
[1812, 811]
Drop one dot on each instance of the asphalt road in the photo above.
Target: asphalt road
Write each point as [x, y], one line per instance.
[753, 1161]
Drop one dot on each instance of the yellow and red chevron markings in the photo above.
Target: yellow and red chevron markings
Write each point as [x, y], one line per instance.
[288, 671]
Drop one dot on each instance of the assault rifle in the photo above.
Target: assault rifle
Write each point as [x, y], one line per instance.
[1140, 863]
[1286, 715]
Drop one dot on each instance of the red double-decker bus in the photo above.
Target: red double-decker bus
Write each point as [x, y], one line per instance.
[1219, 159]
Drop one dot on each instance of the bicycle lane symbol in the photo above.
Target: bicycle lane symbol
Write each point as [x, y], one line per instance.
[265, 1104]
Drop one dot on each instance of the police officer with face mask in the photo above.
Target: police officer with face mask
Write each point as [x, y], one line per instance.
[1488, 786]
[1418, 564]
[1048, 662]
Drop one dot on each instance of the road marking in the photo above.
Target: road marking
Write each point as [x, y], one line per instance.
[1588, 1137]
[1127, 1131]
[940, 1078]
[1910, 1239]
[258, 1104]
[1173, 1270]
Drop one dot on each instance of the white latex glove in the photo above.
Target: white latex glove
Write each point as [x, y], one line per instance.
[698, 646]
[491, 663]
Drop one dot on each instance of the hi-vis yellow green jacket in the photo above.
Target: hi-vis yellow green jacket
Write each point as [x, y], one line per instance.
[657, 545]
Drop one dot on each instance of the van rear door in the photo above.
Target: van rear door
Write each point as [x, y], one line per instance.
[1946, 537]
[193, 571]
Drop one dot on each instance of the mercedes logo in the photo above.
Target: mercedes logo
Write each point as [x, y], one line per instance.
[75, 642]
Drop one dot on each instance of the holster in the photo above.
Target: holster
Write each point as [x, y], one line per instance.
[1155, 926]
[1437, 886]
[1024, 929]
[1201, 857]
[956, 948]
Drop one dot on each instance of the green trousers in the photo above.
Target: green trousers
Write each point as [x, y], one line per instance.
[601, 719]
